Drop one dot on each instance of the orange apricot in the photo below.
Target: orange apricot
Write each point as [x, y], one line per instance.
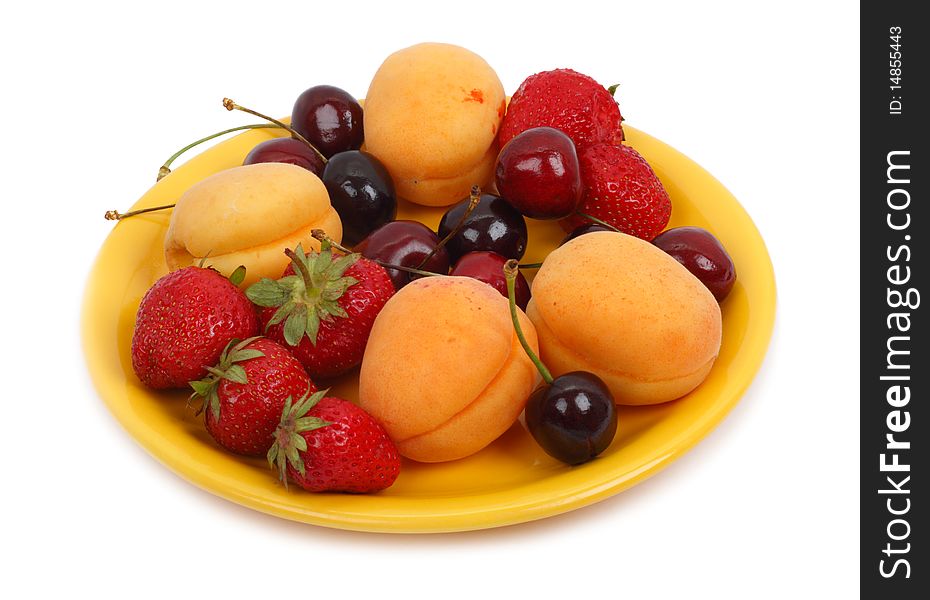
[443, 370]
[619, 307]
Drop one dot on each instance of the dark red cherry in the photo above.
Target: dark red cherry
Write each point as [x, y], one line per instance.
[330, 118]
[404, 243]
[286, 150]
[574, 418]
[583, 229]
[362, 192]
[702, 254]
[489, 268]
[494, 225]
[538, 173]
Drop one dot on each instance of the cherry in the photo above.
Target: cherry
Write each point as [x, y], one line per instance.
[702, 254]
[572, 416]
[489, 268]
[330, 118]
[362, 192]
[404, 243]
[286, 150]
[583, 229]
[493, 225]
[538, 173]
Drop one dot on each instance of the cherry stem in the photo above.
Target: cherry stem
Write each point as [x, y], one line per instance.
[531, 266]
[112, 215]
[165, 168]
[473, 200]
[300, 267]
[388, 265]
[230, 105]
[511, 268]
[598, 221]
[320, 235]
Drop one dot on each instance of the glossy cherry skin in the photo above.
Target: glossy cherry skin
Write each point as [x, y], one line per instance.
[330, 118]
[404, 243]
[362, 192]
[702, 254]
[583, 229]
[573, 419]
[489, 268]
[286, 150]
[494, 226]
[538, 173]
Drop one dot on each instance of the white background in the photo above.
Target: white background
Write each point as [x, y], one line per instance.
[97, 96]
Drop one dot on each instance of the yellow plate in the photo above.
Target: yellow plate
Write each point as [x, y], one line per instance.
[509, 482]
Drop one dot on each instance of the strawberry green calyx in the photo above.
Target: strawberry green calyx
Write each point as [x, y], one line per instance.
[206, 388]
[288, 443]
[309, 296]
[237, 276]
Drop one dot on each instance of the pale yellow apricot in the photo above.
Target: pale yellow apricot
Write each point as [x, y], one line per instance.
[247, 216]
[443, 370]
[432, 112]
[619, 307]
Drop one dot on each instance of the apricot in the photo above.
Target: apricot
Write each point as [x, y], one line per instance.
[619, 307]
[444, 371]
[247, 216]
[432, 113]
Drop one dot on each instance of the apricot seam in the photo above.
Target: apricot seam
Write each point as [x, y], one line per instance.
[584, 359]
[514, 344]
[258, 247]
[469, 169]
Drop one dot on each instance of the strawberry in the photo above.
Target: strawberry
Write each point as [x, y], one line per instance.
[566, 100]
[622, 190]
[325, 312]
[328, 444]
[245, 393]
[184, 322]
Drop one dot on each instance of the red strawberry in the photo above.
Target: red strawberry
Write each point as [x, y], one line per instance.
[183, 324]
[324, 314]
[621, 189]
[328, 444]
[246, 391]
[566, 100]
